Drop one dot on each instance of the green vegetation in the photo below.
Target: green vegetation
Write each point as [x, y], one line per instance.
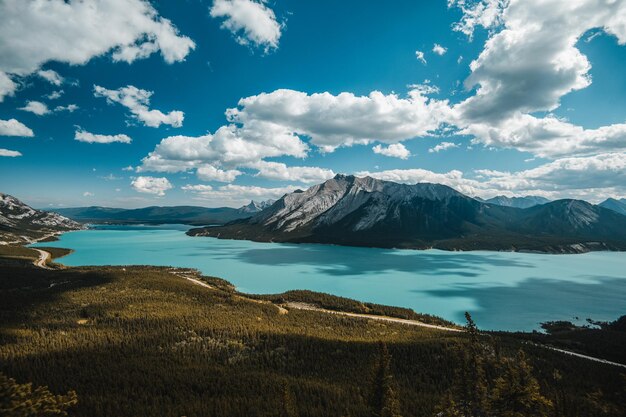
[21, 400]
[333, 302]
[143, 341]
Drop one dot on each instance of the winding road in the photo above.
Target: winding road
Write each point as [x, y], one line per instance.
[42, 261]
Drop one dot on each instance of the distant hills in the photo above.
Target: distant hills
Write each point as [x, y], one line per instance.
[192, 215]
[618, 206]
[20, 223]
[519, 202]
[348, 210]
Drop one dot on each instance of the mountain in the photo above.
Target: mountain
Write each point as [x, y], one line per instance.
[20, 223]
[618, 206]
[348, 210]
[519, 202]
[256, 206]
[192, 215]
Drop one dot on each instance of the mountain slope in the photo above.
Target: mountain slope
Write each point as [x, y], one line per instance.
[20, 223]
[193, 215]
[519, 202]
[355, 211]
[618, 206]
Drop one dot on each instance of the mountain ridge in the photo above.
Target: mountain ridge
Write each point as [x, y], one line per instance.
[356, 211]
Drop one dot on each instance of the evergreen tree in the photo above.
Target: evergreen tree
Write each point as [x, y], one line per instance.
[384, 400]
[20, 400]
[289, 403]
[516, 392]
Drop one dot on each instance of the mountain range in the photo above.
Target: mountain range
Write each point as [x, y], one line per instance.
[192, 215]
[20, 223]
[349, 210]
[519, 202]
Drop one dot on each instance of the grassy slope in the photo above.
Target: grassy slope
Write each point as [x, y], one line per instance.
[141, 341]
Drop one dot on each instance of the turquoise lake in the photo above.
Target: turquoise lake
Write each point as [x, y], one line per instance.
[502, 290]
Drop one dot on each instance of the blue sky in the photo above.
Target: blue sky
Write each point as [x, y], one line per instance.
[543, 111]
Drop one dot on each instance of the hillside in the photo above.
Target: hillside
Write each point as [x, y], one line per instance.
[618, 206]
[348, 210]
[193, 215]
[207, 350]
[20, 223]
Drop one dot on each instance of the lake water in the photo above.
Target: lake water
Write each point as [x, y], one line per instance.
[502, 290]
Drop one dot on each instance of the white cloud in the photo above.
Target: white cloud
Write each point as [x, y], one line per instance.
[485, 13]
[395, 150]
[210, 173]
[344, 119]
[137, 101]
[12, 127]
[420, 57]
[250, 21]
[84, 136]
[549, 137]
[36, 107]
[281, 172]
[229, 147]
[128, 168]
[151, 185]
[51, 76]
[74, 32]
[88, 194]
[443, 146]
[533, 60]
[7, 86]
[54, 95]
[9, 153]
[439, 50]
[236, 195]
[70, 108]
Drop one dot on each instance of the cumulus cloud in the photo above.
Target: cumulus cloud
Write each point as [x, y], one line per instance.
[13, 127]
[54, 95]
[281, 172]
[395, 150]
[9, 153]
[88, 194]
[331, 121]
[235, 195]
[36, 107]
[533, 61]
[443, 146]
[230, 147]
[439, 50]
[74, 32]
[250, 21]
[51, 76]
[549, 136]
[420, 57]
[7, 86]
[84, 136]
[151, 185]
[137, 101]
[210, 173]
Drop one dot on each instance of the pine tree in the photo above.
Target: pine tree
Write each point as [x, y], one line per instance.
[20, 400]
[384, 400]
[516, 392]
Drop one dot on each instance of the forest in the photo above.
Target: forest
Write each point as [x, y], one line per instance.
[145, 341]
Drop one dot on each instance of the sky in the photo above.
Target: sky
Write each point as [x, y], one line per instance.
[131, 103]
